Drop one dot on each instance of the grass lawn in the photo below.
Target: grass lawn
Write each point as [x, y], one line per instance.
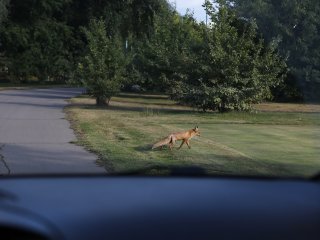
[280, 143]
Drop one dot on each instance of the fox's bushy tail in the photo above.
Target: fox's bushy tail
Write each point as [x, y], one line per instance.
[163, 142]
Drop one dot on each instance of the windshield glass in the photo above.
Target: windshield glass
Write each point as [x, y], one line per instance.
[158, 87]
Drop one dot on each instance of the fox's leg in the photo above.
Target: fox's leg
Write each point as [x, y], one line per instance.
[187, 142]
[171, 144]
[181, 144]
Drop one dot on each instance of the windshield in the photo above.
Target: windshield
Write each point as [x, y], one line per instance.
[156, 87]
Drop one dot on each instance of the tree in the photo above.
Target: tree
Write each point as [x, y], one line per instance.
[36, 43]
[238, 69]
[297, 24]
[3, 10]
[3, 16]
[41, 39]
[103, 66]
[165, 57]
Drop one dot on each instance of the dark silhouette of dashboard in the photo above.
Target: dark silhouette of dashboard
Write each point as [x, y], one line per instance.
[99, 207]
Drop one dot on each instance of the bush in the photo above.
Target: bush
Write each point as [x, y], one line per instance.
[101, 70]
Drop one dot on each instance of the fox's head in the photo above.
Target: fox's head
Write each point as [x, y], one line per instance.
[196, 131]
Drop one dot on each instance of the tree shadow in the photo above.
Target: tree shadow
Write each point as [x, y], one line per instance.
[53, 105]
[143, 96]
[50, 158]
[144, 148]
[146, 103]
[156, 110]
[43, 93]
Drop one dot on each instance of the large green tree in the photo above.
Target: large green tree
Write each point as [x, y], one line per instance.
[165, 57]
[42, 40]
[102, 69]
[126, 16]
[237, 68]
[296, 23]
[36, 42]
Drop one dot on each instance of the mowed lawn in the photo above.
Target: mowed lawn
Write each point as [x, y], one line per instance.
[281, 143]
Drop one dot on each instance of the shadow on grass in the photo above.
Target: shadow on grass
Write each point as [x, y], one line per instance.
[135, 108]
[145, 103]
[144, 148]
[148, 148]
[162, 170]
[49, 93]
[143, 96]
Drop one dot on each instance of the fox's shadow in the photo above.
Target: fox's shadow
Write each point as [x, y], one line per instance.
[144, 148]
[148, 147]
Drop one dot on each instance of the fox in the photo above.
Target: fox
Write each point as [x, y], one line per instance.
[172, 138]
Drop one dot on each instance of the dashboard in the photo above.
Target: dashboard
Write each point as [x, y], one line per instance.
[104, 207]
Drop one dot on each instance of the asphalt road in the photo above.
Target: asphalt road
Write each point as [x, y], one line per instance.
[35, 136]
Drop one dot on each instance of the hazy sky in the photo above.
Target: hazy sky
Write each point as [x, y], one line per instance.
[193, 5]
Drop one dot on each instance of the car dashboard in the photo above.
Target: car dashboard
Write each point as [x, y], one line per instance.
[104, 207]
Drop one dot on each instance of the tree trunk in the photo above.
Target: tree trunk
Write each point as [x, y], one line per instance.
[101, 101]
[222, 108]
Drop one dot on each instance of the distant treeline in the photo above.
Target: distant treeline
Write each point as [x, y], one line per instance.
[250, 51]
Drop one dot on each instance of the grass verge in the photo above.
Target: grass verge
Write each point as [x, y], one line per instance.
[265, 143]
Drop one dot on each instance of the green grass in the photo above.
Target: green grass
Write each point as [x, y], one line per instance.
[282, 144]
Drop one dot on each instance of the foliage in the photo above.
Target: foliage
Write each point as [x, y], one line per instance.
[151, 62]
[102, 68]
[35, 43]
[3, 16]
[42, 39]
[165, 57]
[40, 51]
[3, 10]
[222, 66]
[238, 70]
[297, 24]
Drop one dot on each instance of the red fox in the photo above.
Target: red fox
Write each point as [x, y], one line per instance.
[172, 138]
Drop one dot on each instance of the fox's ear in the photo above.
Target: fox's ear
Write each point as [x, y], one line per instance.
[196, 127]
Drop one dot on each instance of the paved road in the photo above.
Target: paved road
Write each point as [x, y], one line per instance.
[35, 137]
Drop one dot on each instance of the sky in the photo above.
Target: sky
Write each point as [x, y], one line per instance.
[194, 5]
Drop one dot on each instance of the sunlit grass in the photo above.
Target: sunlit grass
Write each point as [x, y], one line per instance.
[262, 143]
